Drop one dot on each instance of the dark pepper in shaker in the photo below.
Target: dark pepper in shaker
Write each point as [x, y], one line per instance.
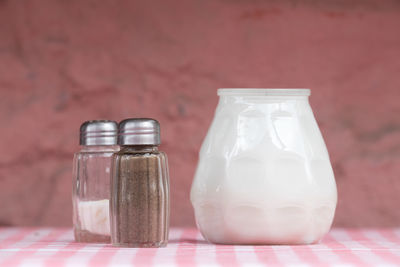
[139, 205]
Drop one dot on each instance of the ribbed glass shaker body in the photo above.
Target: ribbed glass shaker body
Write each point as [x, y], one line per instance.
[140, 197]
[264, 174]
[91, 193]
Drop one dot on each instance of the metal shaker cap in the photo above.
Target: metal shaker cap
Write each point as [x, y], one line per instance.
[141, 131]
[98, 132]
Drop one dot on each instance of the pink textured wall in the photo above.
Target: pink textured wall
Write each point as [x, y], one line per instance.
[63, 62]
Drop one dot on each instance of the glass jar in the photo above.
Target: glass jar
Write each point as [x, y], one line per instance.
[264, 174]
[139, 187]
[91, 186]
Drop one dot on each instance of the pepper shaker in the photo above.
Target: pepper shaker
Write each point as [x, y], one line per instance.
[139, 206]
[91, 182]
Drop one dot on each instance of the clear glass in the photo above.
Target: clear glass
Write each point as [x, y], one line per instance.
[139, 197]
[91, 193]
[264, 175]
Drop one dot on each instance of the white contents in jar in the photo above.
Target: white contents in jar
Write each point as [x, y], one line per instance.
[264, 174]
[94, 216]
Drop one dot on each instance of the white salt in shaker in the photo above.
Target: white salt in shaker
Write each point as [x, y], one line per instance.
[91, 181]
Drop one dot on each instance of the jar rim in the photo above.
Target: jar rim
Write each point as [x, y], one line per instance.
[264, 92]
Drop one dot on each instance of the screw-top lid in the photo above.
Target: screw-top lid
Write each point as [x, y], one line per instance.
[141, 131]
[98, 132]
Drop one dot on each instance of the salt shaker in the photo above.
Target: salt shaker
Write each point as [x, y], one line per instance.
[139, 204]
[91, 185]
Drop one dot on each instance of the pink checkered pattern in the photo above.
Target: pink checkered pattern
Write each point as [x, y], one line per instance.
[55, 247]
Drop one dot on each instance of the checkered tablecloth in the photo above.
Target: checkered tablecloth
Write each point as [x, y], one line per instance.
[55, 247]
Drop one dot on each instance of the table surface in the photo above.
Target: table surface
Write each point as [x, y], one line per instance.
[341, 247]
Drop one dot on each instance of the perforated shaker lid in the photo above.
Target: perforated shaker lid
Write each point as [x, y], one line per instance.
[139, 131]
[98, 132]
